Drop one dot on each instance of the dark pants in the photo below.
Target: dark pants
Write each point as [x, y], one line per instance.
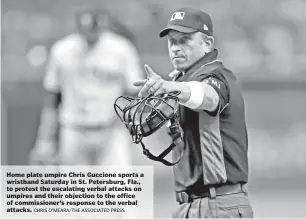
[223, 206]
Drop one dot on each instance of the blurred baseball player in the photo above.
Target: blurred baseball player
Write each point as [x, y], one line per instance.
[86, 72]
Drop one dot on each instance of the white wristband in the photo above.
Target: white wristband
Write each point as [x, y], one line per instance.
[196, 95]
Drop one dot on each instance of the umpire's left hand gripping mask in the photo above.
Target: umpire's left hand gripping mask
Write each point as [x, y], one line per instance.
[143, 116]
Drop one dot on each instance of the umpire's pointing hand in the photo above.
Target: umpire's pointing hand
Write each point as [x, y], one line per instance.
[154, 84]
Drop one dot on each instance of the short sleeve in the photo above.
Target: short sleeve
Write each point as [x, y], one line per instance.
[52, 76]
[132, 69]
[221, 87]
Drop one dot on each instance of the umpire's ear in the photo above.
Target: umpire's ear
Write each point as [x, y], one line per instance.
[209, 41]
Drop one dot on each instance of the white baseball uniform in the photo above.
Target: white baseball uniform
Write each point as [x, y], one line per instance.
[89, 81]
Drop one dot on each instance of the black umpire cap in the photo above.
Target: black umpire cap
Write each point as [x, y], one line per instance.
[189, 20]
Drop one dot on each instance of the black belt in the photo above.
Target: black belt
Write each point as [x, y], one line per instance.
[211, 192]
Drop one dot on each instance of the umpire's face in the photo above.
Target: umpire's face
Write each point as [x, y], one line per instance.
[185, 48]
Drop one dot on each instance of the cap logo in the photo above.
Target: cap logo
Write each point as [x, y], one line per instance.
[178, 16]
[205, 27]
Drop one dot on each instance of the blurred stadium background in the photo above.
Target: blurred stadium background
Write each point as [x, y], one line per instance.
[263, 42]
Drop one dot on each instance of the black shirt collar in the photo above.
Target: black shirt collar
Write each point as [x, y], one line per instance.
[209, 57]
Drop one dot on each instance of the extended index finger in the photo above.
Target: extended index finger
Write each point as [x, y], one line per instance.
[149, 71]
[140, 82]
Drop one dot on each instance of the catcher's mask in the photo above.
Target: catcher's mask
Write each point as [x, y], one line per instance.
[144, 116]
